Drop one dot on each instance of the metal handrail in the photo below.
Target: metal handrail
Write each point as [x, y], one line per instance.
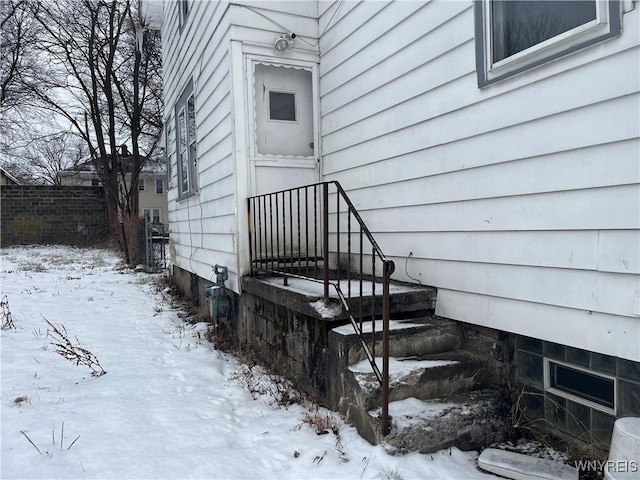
[290, 233]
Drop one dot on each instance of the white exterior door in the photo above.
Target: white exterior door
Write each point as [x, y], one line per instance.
[282, 126]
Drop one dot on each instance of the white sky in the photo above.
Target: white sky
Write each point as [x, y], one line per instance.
[168, 407]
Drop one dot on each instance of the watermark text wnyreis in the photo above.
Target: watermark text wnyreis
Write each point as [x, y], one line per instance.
[618, 466]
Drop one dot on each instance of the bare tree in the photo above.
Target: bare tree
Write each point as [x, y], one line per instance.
[18, 65]
[42, 159]
[16, 42]
[105, 79]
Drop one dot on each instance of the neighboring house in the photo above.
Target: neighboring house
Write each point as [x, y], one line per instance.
[152, 187]
[494, 160]
[7, 179]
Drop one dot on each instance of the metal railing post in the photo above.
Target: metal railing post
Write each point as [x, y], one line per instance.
[325, 238]
[249, 217]
[387, 270]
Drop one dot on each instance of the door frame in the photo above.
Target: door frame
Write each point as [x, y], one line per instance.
[239, 51]
[253, 158]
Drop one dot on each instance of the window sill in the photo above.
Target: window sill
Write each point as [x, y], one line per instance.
[187, 196]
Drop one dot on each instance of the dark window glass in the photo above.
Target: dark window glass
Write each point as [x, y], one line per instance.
[582, 384]
[520, 24]
[282, 106]
[183, 9]
[186, 142]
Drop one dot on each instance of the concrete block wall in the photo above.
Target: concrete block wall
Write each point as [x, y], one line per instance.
[288, 335]
[576, 419]
[52, 215]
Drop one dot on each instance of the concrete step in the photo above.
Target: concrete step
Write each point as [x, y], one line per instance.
[425, 377]
[411, 337]
[468, 421]
[437, 389]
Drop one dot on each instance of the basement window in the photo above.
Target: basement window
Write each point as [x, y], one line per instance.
[513, 36]
[581, 385]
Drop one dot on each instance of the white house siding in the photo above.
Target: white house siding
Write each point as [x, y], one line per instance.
[260, 22]
[255, 25]
[210, 228]
[519, 201]
[202, 226]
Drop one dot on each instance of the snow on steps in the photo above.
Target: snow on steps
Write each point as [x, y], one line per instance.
[468, 421]
[408, 338]
[426, 377]
[436, 392]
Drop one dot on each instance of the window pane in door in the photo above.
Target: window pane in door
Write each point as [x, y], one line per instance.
[282, 106]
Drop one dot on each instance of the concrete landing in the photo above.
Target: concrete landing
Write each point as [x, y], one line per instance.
[305, 296]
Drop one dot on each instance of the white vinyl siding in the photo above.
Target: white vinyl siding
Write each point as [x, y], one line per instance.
[202, 225]
[520, 201]
[205, 226]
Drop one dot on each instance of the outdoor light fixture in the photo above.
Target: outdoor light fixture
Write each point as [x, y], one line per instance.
[284, 41]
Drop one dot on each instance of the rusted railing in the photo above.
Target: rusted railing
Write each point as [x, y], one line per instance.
[314, 232]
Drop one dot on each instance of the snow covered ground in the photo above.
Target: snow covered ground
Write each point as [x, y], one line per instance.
[168, 406]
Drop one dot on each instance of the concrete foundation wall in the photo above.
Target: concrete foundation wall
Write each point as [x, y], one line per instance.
[288, 336]
[192, 287]
[53, 215]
